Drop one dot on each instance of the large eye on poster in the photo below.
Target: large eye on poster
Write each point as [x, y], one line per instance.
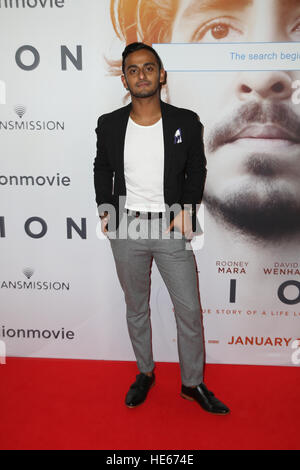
[237, 64]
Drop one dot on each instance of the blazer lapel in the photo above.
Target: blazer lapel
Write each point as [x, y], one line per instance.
[168, 130]
[121, 127]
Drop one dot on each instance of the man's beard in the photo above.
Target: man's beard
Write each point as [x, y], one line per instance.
[273, 217]
[265, 207]
[144, 93]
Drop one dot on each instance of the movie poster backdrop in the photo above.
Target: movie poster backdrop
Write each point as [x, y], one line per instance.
[238, 67]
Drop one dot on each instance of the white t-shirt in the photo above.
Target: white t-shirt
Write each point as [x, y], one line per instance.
[144, 167]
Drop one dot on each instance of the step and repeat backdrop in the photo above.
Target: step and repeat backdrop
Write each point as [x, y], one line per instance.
[237, 64]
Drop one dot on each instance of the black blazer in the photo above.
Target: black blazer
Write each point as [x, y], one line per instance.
[184, 159]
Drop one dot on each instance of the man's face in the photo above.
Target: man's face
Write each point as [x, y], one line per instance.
[251, 126]
[142, 76]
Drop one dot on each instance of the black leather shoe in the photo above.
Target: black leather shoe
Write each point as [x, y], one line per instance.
[137, 393]
[205, 398]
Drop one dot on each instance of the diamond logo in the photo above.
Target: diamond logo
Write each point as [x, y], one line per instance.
[20, 110]
[28, 272]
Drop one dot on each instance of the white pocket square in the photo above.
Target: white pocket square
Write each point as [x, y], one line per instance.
[178, 137]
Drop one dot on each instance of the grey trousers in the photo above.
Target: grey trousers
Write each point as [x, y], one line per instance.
[176, 264]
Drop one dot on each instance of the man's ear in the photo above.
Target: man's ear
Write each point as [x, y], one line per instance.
[163, 77]
[124, 82]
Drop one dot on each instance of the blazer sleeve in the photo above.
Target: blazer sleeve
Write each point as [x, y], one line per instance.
[195, 170]
[103, 173]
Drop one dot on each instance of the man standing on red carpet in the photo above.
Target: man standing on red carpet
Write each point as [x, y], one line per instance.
[149, 176]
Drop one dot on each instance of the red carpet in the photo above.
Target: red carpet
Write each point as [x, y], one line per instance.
[69, 404]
